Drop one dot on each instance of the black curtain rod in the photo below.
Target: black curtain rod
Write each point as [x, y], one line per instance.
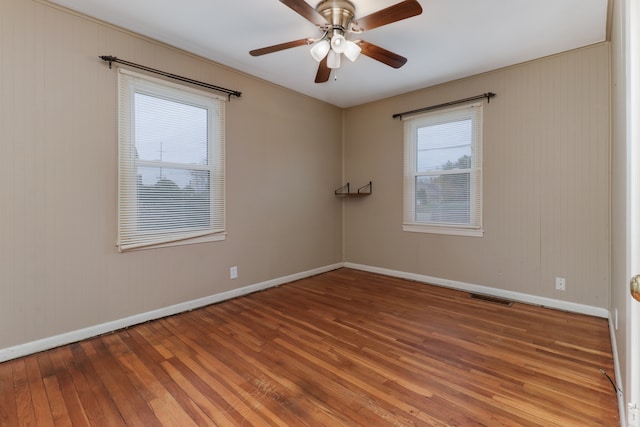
[487, 95]
[229, 92]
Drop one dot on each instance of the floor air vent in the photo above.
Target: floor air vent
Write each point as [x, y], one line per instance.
[494, 300]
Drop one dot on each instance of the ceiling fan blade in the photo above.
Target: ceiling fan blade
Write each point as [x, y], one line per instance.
[380, 54]
[279, 47]
[397, 12]
[306, 11]
[324, 72]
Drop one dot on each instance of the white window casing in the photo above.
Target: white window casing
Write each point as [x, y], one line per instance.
[171, 163]
[443, 171]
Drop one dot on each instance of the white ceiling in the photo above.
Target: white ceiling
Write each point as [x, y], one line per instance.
[451, 39]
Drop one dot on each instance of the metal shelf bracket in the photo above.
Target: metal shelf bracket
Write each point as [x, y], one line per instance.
[365, 190]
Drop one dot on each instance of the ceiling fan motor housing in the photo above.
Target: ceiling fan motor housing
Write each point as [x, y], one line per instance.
[338, 13]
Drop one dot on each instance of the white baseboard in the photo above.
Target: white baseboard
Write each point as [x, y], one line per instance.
[486, 290]
[92, 331]
[622, 409]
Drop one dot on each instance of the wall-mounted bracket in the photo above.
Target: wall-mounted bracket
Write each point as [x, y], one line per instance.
[365, 190]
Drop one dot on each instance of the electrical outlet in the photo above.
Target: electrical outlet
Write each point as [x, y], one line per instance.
[561, 284]
[233, 272]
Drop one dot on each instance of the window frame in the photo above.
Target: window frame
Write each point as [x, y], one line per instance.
[411, 125]
[130, 237]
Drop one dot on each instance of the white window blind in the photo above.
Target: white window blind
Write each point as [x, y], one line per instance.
[171, 162]
[443, 171]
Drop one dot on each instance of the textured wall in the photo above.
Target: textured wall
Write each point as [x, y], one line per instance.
[546, 182]
[59, 268]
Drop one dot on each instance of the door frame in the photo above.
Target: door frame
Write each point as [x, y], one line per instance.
[632, 368]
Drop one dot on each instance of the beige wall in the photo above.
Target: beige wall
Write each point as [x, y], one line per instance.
[59, 268]
[546, 182]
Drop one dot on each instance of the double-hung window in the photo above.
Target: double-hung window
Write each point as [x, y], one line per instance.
[171, 163]
[443, 172]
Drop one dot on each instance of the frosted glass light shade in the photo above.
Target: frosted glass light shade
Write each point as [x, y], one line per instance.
[333, 60]
[338, 43]
[320, 50]
[352, 50]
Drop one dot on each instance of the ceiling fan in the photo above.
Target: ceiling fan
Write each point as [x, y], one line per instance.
[335, 18]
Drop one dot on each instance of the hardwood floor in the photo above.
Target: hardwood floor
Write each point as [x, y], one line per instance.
[340, 349]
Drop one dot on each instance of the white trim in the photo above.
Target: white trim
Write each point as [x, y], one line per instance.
[412, 171]
[486, 290]
[174, 226]
[622, 410]
[93, 331]
[216, 237]
[452, 231]
[631, 62]
[634, 414]
[178, 86]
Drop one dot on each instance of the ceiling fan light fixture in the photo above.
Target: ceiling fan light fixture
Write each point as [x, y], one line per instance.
[333, 60]
[352, 50]
[320, 50]
[338, 42]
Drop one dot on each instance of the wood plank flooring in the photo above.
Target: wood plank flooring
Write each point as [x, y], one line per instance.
[344, 348]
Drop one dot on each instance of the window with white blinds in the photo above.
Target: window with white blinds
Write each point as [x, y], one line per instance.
[443, 171]
[171, 163]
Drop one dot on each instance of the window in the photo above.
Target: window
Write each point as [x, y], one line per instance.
[443, 172]
[171, 163]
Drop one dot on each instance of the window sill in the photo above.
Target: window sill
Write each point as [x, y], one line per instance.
[453, 231]
[192, 241]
